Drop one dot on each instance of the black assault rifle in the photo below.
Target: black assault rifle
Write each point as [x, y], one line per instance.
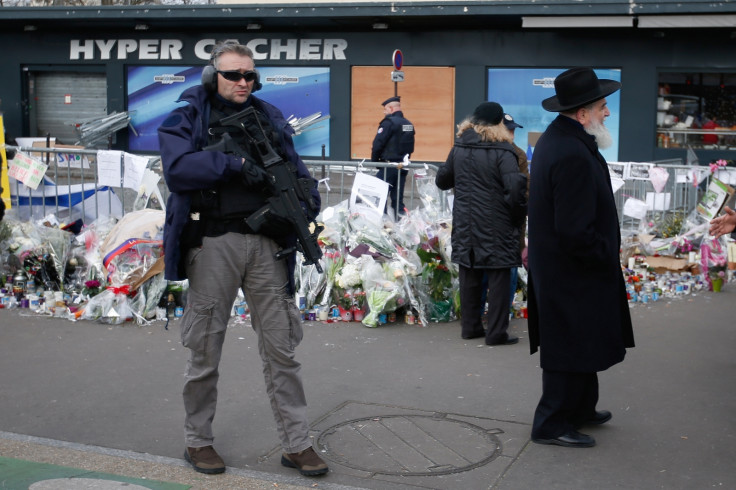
[288, 190]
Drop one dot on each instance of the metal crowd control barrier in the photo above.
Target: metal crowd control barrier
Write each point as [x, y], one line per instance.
[56, 195]
[66, 186]
[680, 194]
[336, 180]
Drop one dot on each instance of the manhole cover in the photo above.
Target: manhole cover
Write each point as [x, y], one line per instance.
[409, 445]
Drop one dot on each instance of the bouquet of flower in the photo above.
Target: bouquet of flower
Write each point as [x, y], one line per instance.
[333, 262]
[713, 262]
[359, 299]
[435, 273]
[92, 288]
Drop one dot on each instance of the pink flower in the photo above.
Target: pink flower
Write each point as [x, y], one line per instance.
[721, 274]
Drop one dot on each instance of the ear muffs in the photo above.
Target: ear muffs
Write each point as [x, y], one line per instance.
[209, 80]
[257, 85]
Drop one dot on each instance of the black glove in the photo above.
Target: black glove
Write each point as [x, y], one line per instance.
[252, 173]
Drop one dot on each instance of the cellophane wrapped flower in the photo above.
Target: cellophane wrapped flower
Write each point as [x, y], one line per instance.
[333, 262]
[349, 276]
[382, 292]
[713, 260]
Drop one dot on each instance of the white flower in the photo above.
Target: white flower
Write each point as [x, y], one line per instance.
[349, 277]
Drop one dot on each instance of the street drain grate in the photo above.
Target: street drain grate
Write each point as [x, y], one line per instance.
[409, 445]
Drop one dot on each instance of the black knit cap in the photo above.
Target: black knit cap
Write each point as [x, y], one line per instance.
[488, 113]
[391, 99]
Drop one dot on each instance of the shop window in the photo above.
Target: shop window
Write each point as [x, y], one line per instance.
[696, 110]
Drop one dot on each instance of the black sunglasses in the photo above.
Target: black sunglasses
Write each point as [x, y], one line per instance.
[236, 76]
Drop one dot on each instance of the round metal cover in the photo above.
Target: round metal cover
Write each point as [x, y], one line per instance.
[409, 445]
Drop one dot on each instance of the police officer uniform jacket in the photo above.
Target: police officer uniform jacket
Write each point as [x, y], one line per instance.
[187, 169]
[394, 139]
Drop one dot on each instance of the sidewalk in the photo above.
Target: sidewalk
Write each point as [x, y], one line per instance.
[396, 407]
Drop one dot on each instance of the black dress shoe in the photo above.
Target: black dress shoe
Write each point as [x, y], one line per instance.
[474, 335]
[509, 341]
[571, 438]
[600, 417]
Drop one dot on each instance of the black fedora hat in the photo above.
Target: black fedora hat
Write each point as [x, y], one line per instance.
[577, 87]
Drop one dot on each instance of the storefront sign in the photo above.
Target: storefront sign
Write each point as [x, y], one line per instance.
[174, 49]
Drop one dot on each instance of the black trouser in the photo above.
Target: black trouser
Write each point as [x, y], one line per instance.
[471, 309]
[392, 176]
[568, 401]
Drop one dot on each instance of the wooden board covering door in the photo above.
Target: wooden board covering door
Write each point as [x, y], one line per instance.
[427, 100]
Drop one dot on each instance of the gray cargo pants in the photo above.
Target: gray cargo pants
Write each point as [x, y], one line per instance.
[216, 271]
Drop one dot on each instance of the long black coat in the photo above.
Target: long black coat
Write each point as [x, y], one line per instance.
[490, 202]
[578, 311]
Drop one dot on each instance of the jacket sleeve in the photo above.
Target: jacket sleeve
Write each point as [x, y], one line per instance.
[445, 178]
[383, 134]
[186, 166]
[514, 186]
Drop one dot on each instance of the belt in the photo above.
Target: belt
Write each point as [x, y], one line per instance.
[220, 227]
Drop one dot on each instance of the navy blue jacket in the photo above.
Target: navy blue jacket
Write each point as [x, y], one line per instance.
[187, 168]
[394, 139]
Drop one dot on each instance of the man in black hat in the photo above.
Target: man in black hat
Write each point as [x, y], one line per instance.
[394, 140]
[578, 311]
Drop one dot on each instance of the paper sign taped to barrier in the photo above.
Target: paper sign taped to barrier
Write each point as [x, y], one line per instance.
[369, 196]
[635, 208]
[657, 201]
[27, 169]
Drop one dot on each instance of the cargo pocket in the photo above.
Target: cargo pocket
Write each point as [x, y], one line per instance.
[197, 322]
[295, 323]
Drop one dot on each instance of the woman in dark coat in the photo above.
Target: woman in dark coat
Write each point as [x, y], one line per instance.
[489, 207]
[578, 311]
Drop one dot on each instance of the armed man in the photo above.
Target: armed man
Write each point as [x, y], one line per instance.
[230, 223]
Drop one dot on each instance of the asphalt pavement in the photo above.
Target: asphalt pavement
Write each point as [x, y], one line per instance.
[92, 405]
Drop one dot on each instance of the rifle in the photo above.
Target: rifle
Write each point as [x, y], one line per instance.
[288, 190]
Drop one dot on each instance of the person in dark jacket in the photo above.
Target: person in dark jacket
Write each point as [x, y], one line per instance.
[394, 140]
[207, 240]
[488, 209]
[578, 312]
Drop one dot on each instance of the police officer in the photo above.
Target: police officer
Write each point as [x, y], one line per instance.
[207, 240]
[394, 140]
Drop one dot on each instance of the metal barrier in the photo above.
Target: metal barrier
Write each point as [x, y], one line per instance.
[59, 195]
[679, 195]
[336, 180]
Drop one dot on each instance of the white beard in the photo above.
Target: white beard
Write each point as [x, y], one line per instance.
[602, 136]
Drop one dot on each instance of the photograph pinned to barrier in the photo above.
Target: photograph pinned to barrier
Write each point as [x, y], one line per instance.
[368, 196]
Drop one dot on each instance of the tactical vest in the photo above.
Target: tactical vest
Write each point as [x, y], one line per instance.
[225, 207]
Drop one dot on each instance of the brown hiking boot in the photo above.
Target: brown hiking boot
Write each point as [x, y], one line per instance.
[205, 460]
[307, 462]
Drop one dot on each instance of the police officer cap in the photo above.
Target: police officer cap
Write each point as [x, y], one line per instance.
[488, 113]
[509, 122]
[391, 99]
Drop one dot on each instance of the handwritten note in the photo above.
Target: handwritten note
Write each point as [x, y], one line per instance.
[108, 168]
[27, 169]
[135, 166]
